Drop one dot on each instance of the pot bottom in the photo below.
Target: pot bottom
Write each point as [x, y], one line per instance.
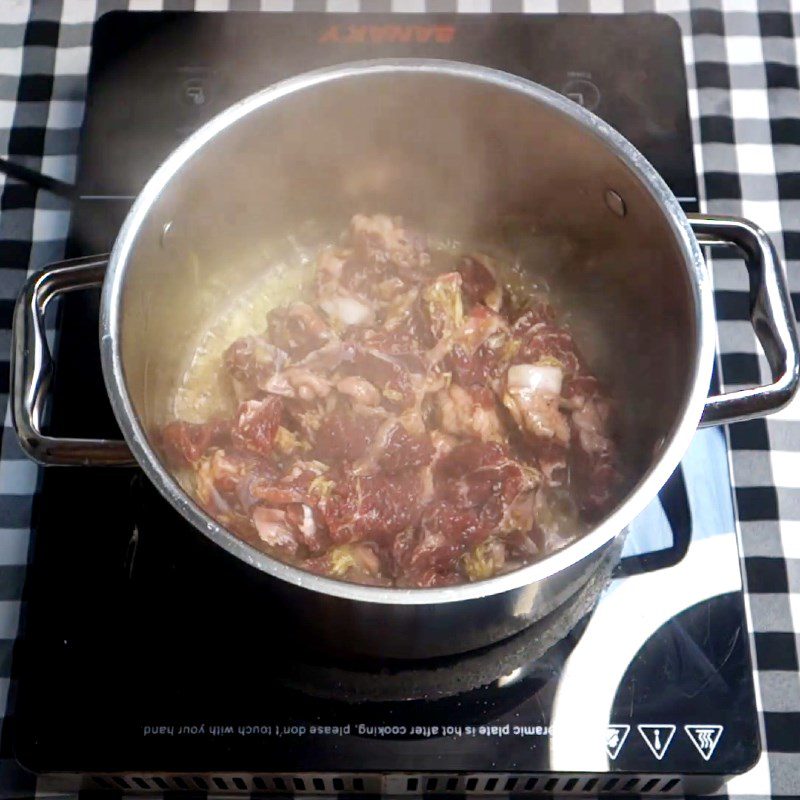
[538, 651]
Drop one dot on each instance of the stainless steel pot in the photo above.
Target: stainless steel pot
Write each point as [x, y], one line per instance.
[460, 147]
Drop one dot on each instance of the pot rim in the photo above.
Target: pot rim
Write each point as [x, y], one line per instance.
[611, 526]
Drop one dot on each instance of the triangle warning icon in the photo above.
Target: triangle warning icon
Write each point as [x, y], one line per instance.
[657, 737]
[615, 738]
[704, 738]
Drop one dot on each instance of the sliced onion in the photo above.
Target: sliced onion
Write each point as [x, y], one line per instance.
[589, 422]
[278, 384]
[367, 558]
[328, 357]
[272, 528]
[221, 504]
[535, 378]
[347, 310]
[361, 390]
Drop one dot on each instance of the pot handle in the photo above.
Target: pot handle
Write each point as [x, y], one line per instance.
[32, 368]
[770, 312]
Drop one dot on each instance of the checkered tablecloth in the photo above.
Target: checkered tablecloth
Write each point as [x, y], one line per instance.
[742, 67]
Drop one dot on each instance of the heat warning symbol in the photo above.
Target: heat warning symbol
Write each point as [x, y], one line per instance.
[657, 737]
[704, 738]
[615, 738]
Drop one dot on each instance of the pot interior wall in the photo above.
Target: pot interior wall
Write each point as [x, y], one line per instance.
[456, 156]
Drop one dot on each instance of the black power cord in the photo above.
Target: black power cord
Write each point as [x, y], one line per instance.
[38, 179]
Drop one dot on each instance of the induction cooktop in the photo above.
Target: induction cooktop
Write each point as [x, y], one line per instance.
[152, 661]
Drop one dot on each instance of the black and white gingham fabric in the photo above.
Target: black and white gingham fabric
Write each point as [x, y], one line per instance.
[742, 67]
